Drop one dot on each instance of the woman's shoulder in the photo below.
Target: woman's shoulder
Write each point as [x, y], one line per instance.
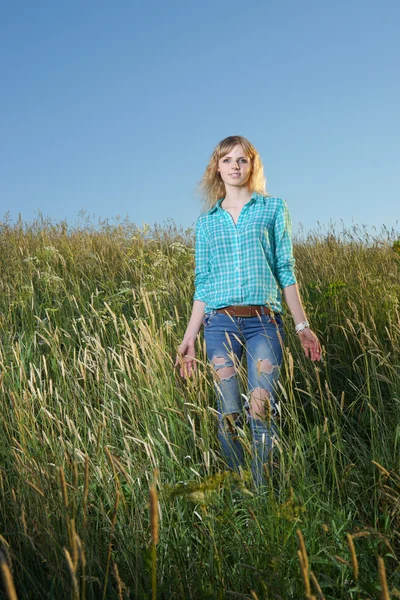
[207, 214]
[202, 221]
[273, 204]
[274, 201]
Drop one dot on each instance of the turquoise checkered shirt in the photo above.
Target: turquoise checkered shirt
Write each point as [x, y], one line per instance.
[246, 263]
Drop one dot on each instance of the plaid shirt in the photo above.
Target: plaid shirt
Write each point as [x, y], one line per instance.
[246, 263]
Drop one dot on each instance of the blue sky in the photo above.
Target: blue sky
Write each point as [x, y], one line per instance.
[115, 107]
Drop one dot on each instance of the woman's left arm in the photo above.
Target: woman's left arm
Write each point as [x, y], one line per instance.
[284, 270]
[308, 339]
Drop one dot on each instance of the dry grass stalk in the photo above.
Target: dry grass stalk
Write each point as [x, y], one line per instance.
[304, 565]
[154, 525]
[113, 522]
[353, 554]
[83, 563]
[81, 550]
[303, 549]
[382, 579]
[121, 468]
[7, 577]
[72, 573]
[304, 573]
[118, 580]
[111, 460]
[342, 402]
[23, 521]
[73, 542]
[34, 487]
[85, 489]
[343, 561]
[291, 365]
[5, 548]
[381, 469]
[63, 488]
[317, 586]
[114, 515]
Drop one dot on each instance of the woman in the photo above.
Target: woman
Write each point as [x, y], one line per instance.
[244, 263]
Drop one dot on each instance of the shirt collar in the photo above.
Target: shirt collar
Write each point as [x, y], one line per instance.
[254, 198]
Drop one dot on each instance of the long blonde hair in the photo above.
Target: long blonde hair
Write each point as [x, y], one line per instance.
[212, 188]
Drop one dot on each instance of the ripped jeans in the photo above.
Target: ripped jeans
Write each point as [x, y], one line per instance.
[226, 338]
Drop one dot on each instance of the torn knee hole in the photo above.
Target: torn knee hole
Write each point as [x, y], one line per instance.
[226, 373]
[259, 395]
[223, 368]
[265, 366]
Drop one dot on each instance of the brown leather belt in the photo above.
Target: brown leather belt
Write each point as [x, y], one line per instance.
[245, 311]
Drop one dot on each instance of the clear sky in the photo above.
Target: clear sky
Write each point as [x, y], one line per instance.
[115, 107]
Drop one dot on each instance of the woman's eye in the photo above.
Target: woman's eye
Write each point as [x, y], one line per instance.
[242, 160]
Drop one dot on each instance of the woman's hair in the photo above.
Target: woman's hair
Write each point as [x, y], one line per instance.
[211, 186]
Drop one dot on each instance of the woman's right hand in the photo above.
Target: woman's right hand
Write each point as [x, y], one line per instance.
[186, 358]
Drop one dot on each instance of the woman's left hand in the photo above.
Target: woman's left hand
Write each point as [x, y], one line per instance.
[310, 343]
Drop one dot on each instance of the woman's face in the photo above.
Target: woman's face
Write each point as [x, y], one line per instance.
[235, 167]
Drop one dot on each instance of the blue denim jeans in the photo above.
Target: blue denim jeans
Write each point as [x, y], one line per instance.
[227, 338]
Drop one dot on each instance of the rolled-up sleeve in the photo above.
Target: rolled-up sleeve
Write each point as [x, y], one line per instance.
[284, 260]
[202, 259]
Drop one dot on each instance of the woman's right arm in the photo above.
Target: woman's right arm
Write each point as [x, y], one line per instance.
[186, 350]
[186, 356]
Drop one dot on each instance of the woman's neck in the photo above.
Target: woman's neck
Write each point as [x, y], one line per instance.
[236, 197]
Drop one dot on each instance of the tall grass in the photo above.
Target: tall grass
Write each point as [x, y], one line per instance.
[111, 482]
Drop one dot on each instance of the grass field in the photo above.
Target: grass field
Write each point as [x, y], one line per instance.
[111, 482]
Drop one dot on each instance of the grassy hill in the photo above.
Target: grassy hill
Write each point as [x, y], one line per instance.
[111, 482]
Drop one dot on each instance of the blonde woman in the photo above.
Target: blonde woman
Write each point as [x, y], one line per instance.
[244, 264]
